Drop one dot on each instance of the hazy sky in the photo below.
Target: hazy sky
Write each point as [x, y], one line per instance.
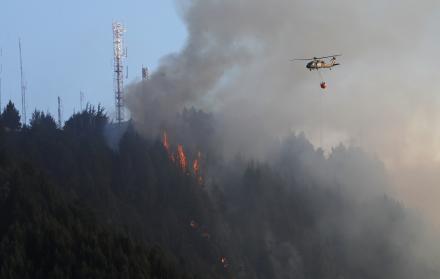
[67, 47]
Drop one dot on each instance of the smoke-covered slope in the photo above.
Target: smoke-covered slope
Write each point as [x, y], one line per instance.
[298, 215]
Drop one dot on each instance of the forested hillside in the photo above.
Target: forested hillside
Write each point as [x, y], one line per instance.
[74, 205]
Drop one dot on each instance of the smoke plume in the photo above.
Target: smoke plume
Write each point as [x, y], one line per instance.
[236, 65]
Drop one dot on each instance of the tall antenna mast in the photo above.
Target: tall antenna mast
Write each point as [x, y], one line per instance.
[119, 55]
[60, 120]
[1, 71]
[23, 86]
[81, 100]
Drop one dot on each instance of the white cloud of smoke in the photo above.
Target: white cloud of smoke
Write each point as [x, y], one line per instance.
[236, 64]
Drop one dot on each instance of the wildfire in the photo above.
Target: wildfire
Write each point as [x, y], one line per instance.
[194, 224]
[165, 142]
[183, 163]
[196, 168]
[179, 158]
[224, 261]
[206, 234]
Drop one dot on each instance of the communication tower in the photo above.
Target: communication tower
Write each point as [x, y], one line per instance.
[145, 73]
[119, 55]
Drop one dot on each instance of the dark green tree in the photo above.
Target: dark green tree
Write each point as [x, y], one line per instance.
[91, 120]
[42, 121]
[10, 118]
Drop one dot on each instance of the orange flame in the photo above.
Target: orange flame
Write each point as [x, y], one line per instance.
[205, 233]
[165, 142]
[183, 163]
[194, 224]
[180, 158]
[196, 168]
[224, 261]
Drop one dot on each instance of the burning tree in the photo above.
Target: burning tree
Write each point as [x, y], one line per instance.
[181, 158]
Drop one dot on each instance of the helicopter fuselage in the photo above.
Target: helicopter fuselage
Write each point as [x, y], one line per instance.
[320, 64]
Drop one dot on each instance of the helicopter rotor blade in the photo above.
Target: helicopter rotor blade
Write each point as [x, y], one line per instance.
[330, 56]
[305, 59]
[315, 58]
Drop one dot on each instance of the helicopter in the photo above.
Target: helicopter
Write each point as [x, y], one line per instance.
[317, 63]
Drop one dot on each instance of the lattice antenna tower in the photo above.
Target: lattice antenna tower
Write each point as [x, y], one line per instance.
[145, 73]
[23, 87]
[119, 55]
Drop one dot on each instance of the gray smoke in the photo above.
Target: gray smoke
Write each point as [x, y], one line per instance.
[236, 64]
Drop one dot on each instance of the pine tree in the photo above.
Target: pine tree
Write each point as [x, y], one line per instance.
[10, 118]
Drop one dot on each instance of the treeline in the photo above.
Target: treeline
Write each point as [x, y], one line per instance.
[61, 205]
[73, 206]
